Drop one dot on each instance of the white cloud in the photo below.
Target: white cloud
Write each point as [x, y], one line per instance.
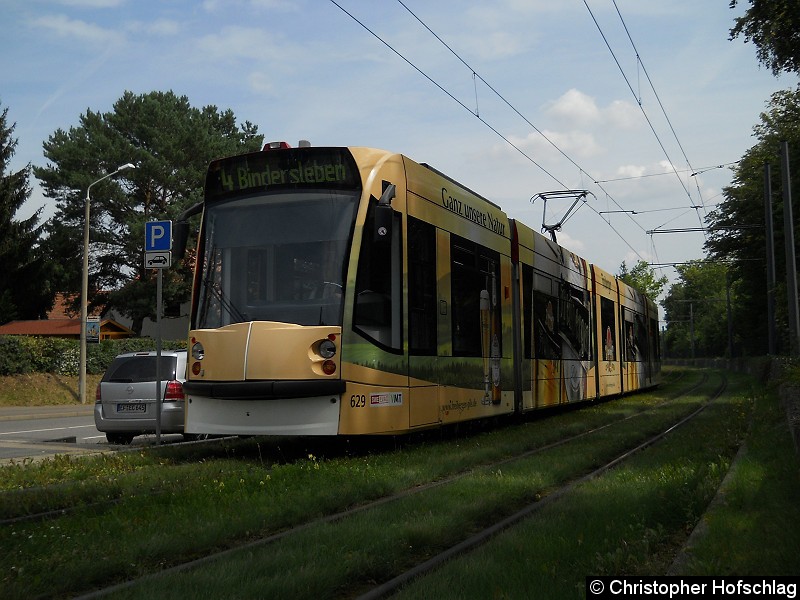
[237, 42]
[261, 83]
[163, 27]
[623, 114]
[214, 5]
[573, 244]
[73, 28]
[580, 143]
[632, 257]
[576, 107]
[497, 45]
[284, 5]
[631, 170]
[281, 5]
[158, 28]
[93, 3]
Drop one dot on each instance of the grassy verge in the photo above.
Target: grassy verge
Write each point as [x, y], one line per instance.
[44, 389]
[759, 505]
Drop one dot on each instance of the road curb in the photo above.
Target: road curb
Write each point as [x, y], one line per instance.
[24, 413]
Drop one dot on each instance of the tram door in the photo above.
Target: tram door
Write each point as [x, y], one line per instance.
[546, 342]
[546, 346]
[422, 323]
[455, 336]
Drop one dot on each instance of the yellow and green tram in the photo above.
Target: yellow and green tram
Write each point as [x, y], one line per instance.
[345, 291]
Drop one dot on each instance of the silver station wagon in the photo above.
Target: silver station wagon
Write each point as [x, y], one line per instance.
[125, 402]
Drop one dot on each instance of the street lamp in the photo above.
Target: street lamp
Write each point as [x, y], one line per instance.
[85, 285]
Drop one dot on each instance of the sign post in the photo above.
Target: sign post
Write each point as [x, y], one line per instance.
[158, 255]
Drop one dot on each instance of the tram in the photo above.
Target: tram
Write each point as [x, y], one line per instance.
[347, 291]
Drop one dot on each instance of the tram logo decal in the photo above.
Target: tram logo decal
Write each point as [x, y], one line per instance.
[386, 399]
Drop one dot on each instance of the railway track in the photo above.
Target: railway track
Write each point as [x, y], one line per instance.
[390, 587]
[542, 497]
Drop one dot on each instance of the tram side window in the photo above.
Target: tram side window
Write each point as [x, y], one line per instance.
[421, 287]
[629, 331]
[475, 270]
[527, 310]
[378, 295]
[545, 320]
[642, 343]
[609, 331]
[636, 343]
[575, 323]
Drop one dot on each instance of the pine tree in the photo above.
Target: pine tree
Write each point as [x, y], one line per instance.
[171, 144]
[25, 291]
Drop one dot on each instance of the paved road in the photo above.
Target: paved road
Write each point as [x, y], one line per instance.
[44, 431]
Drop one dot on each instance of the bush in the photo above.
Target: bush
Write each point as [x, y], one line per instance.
[14, 356]
[22, 354]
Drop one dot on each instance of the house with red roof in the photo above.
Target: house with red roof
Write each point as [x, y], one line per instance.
[63, 322]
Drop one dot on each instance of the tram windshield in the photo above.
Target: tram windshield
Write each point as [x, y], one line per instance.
[277, 257]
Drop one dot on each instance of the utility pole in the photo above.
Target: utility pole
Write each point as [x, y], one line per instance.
[728, 310]
[771, 334]
[791, 266]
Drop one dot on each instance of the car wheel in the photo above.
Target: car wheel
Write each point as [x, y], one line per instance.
[119, 438]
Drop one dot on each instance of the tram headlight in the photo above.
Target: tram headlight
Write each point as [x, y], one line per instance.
[198, 352]
[327, 349]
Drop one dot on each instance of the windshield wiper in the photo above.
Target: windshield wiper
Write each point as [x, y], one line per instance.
[225, 302]
[215, 265]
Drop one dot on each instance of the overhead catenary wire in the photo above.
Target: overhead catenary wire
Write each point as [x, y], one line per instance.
[640, 63]
[694, 173]
[637, 97]
[475, 75]
[664, 112]
[476, 113]
[445, 91]
[652, 86]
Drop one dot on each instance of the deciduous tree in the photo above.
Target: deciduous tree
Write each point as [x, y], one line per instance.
[774, 27]
[643, 278]
[696, 310]
[737, 225]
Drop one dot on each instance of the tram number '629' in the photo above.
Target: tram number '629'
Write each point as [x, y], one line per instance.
[358, 401]
[376, 400]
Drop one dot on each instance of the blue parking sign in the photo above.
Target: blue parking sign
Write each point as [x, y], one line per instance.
[158, 236]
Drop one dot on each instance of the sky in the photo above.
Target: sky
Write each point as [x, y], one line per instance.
[645, 104]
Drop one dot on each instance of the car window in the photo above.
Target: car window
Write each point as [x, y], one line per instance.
[135, 369]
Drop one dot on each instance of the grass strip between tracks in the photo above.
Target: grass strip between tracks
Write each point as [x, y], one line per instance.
[350, 555]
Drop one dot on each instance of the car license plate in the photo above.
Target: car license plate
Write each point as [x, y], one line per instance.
[138, 407]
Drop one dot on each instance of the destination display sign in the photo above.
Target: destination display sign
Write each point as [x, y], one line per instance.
[291, 168]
